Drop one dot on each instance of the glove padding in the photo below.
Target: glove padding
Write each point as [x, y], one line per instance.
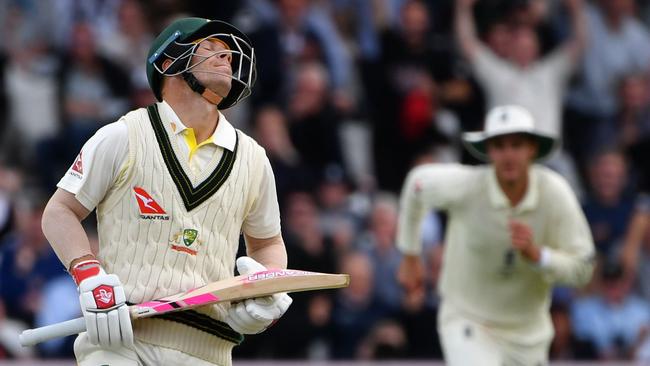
[253, 316]
[104, 308]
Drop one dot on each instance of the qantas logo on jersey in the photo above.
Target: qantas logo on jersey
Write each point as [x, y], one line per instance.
[149, 208]
[77, 169]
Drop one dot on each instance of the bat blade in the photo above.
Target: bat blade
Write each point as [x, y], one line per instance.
[237, 288]
[242, 287]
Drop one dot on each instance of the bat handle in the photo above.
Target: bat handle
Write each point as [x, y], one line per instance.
[31, 337]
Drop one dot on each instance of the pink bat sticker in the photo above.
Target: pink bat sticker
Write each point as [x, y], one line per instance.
[154, 307]
[201, 299]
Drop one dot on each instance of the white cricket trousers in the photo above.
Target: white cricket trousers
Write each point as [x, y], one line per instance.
[145, 354]
[466, 342]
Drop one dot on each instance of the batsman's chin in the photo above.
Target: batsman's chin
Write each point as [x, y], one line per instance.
[221, 85]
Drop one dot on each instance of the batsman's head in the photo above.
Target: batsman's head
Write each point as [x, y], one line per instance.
[509, 141]
[214, 58]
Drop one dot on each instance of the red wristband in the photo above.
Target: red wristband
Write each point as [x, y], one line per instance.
[85, 269]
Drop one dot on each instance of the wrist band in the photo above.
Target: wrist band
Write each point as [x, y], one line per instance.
[85, 269]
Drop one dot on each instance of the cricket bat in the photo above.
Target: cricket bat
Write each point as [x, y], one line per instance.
[258, 284]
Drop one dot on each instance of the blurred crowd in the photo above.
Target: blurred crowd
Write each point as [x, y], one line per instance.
[350, 95]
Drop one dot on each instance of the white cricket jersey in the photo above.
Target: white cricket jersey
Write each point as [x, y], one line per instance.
[103, 163]
[482, 276]
[165, 228]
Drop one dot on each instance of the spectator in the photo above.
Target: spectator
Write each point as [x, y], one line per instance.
[409, 118]
[9, 331]
[93, 92]
[307, 246]
[631, 124]
[128, 46]
[379, 244]
[314, 123]
[11, 180]
[418, 313]
[635, 252]
[387, 340]
[613, 318]
[618, 45]
[608, 207]
[565, 345]
[29, 81]
[60, 18]
[27, 262]
[61, 291]
[356, 308]
[293, 32]
[291, 173]
[336, 201]
[523, 77]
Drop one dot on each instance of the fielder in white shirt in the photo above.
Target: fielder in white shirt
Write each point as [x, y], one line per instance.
[174, 186]
[514, 230]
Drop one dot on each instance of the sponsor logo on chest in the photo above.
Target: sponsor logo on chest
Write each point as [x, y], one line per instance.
[149, 208]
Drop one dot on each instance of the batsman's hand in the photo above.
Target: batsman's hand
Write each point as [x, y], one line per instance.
[103, 304]
[521, 237]
[253, 316]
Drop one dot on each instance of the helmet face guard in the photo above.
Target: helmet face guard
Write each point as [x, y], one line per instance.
[182, 51]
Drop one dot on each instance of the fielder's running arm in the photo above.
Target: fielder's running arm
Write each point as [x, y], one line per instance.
[569, 259]
[430, 186]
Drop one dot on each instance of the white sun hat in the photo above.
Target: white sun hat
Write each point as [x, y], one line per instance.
[505, 120]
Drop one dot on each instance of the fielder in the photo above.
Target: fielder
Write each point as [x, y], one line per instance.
[174, 185]
[514, 229]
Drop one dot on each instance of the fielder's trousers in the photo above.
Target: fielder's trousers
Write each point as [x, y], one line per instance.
[467, 342]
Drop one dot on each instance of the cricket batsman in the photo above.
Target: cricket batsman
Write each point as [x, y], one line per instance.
[173, 185]
[514, 230]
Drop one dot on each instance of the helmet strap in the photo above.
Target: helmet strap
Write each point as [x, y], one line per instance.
[199, 88]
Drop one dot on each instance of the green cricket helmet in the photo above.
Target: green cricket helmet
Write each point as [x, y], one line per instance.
[178, 43]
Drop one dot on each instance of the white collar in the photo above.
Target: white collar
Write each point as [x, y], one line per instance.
[499, 199]
[224, 135]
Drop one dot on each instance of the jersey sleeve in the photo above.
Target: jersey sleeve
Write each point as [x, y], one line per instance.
[98, 164]
[439, 186]
[263, 220]
[569, 260]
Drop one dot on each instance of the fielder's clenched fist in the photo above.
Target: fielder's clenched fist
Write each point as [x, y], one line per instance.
[103, 304]
[521, 237]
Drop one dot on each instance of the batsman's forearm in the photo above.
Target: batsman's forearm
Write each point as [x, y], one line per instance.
[63, 230]
[270, 252]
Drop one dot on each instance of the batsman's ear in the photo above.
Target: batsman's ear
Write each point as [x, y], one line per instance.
[166, 64]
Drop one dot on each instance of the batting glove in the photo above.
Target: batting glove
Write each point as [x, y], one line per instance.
[253, 316]
[103, 304]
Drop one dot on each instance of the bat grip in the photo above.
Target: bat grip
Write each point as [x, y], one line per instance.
[31, 337]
